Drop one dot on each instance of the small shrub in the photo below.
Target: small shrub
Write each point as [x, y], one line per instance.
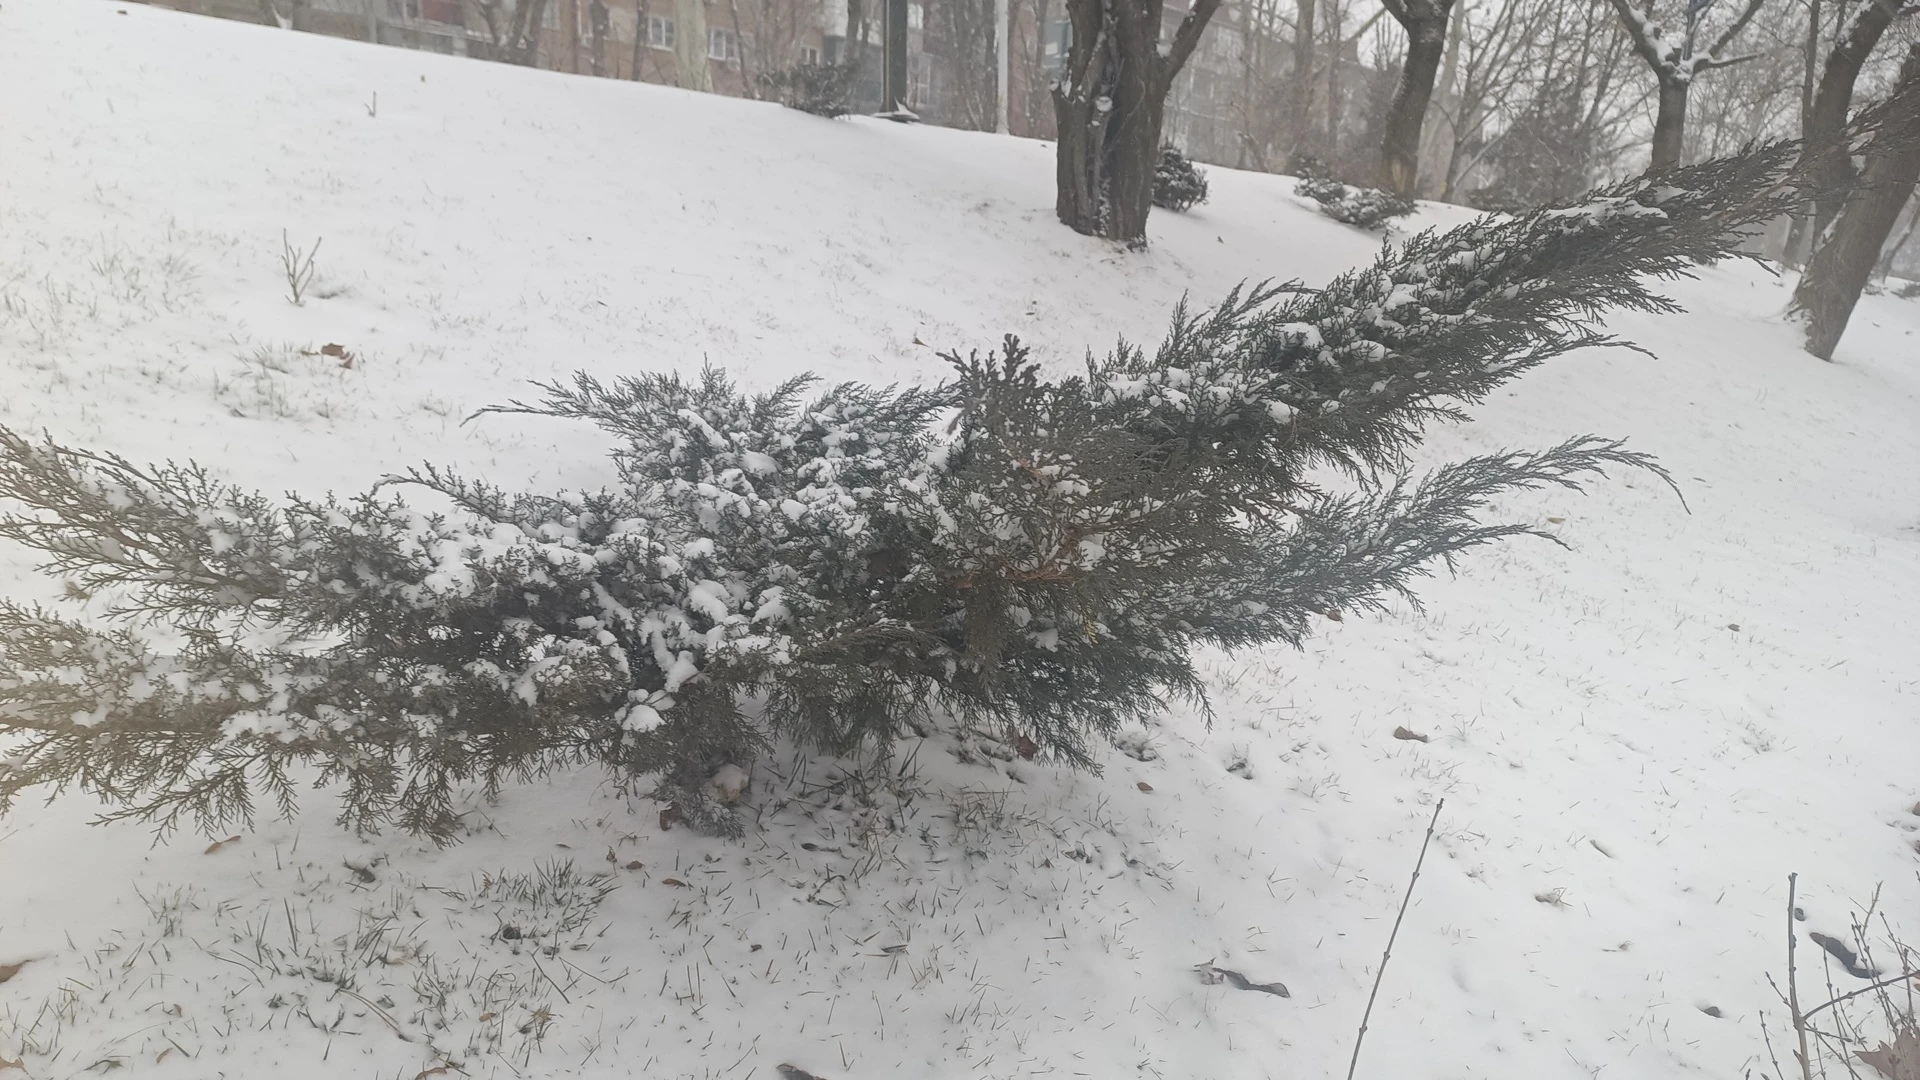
[298, 265]
[836, 565]
[1177, 184]
[820, 89]
[1367, 208]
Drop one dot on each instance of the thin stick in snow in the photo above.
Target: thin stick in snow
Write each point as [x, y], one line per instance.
[1388, 954]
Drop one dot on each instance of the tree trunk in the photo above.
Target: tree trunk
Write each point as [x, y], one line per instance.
[1670, 125]
[1832, 167]
[1300, 103]
[597, 25]
[690, 45]
[1426, 25]
[1109, 105]
[1840, 267]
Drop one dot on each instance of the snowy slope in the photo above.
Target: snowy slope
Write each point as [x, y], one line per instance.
[1637, 738]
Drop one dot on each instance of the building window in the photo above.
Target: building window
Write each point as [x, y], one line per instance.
[403, 9]
[659, 32]
[916, 17]
[809, 55]
[722, 45]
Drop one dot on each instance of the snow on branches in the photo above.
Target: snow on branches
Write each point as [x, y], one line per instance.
[829, 565]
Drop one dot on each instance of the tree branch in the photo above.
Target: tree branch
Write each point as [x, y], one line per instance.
[1733, 31]
[1643, 42]
[1187, 38]
[1712, 63]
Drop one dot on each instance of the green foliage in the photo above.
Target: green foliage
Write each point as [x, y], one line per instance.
[1368, 208]
[820, 89]
[830, 565]
[1178, 184]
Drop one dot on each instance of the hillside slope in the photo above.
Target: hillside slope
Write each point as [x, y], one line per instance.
[1638, 737]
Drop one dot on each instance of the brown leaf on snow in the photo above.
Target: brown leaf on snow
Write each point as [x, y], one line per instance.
[1335, 615]
[794, 1072]
[8, 971]
[218, 844]
[1144, 786]
[636, 865]
[1408, 736]
[1898, 1061]
[675, 882]
[4, 1063]
[437, 1070]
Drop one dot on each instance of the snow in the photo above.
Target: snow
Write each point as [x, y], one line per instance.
[1637, 738]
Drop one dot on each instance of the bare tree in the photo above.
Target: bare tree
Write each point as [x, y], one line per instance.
[964, 32]
[1425, 22]
[1566, 122]
[598, 20]
[690, 45]
[1840, 268]
[1110, 105]
[1676, 61]
[1832, 100]
[512, 28]
[1300, 101]
[1486, 74]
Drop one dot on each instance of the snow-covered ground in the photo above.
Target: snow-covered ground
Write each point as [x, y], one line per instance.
[1637, 738]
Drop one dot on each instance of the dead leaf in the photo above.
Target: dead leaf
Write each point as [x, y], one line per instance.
[668, 815]
[4, 1063]
[1916, 809]
[1212, 975]
[1556, 521]
[1335, 616]
[8, 971]
[1734, 626]
[675, 882]
[437, 1070]
[1899, 1061]
[1712, 1010]
[791, 1072]
[1144, 786]
[1408, 736]
[636, 865]
[1027, 747]
[338, 352]
[218, 844]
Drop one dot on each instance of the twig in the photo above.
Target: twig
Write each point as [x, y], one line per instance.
[299, 267]
[1890, 981]
[1388, 954]
[378, 1011]
[1793, 985]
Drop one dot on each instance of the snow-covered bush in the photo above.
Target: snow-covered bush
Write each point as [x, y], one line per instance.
[830, 564]
[1368, 208]
[820, 89]
[1178, 184]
